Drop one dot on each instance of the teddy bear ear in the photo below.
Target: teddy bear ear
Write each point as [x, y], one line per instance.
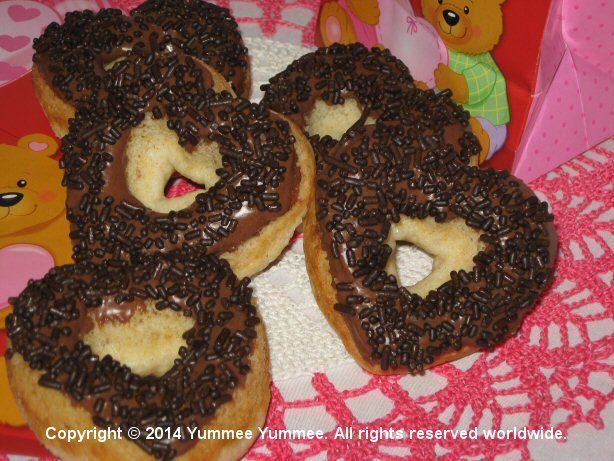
[39, 144]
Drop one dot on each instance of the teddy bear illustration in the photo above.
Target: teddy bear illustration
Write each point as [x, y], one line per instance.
[341, 19]
[471, 29]
[33, 231]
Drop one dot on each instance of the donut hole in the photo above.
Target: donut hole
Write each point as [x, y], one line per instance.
[412, 263]
[178, 185]
[154, 157]
[451, 245]
[148, 342]
[334, 119]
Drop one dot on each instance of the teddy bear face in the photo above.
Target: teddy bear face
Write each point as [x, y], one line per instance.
[30, 185]
[466, 26]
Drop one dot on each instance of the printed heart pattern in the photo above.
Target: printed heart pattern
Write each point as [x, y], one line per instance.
[18, 264]
[13, 43]
[9, 73]
[21, 21]
[19, 13]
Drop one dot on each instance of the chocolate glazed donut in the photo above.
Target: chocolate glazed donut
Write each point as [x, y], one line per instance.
[159, 117]
[485, 228]
[58, 357]
[325, 92]
[71, 59]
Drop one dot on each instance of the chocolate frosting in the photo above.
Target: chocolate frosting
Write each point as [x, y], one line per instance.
[259, 177]
[72, 56]
[379, 172]
[381, 84]
[374, 77]
[51, 316]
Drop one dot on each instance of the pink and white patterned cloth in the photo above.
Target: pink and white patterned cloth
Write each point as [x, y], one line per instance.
[557, 372]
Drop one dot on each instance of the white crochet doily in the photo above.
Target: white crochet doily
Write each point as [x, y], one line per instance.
[301, 340]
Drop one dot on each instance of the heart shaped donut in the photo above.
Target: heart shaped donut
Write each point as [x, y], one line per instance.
[93, 347]
[71, 59]
[160, 117]
[329, 90]
[493, 244]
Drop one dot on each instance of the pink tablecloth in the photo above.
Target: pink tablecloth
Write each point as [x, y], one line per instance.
[558, 372]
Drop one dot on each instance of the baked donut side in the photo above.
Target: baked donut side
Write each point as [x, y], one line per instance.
[254, 255]
[57, 110]
[59, 344]
[370, 193]
[323, 287]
